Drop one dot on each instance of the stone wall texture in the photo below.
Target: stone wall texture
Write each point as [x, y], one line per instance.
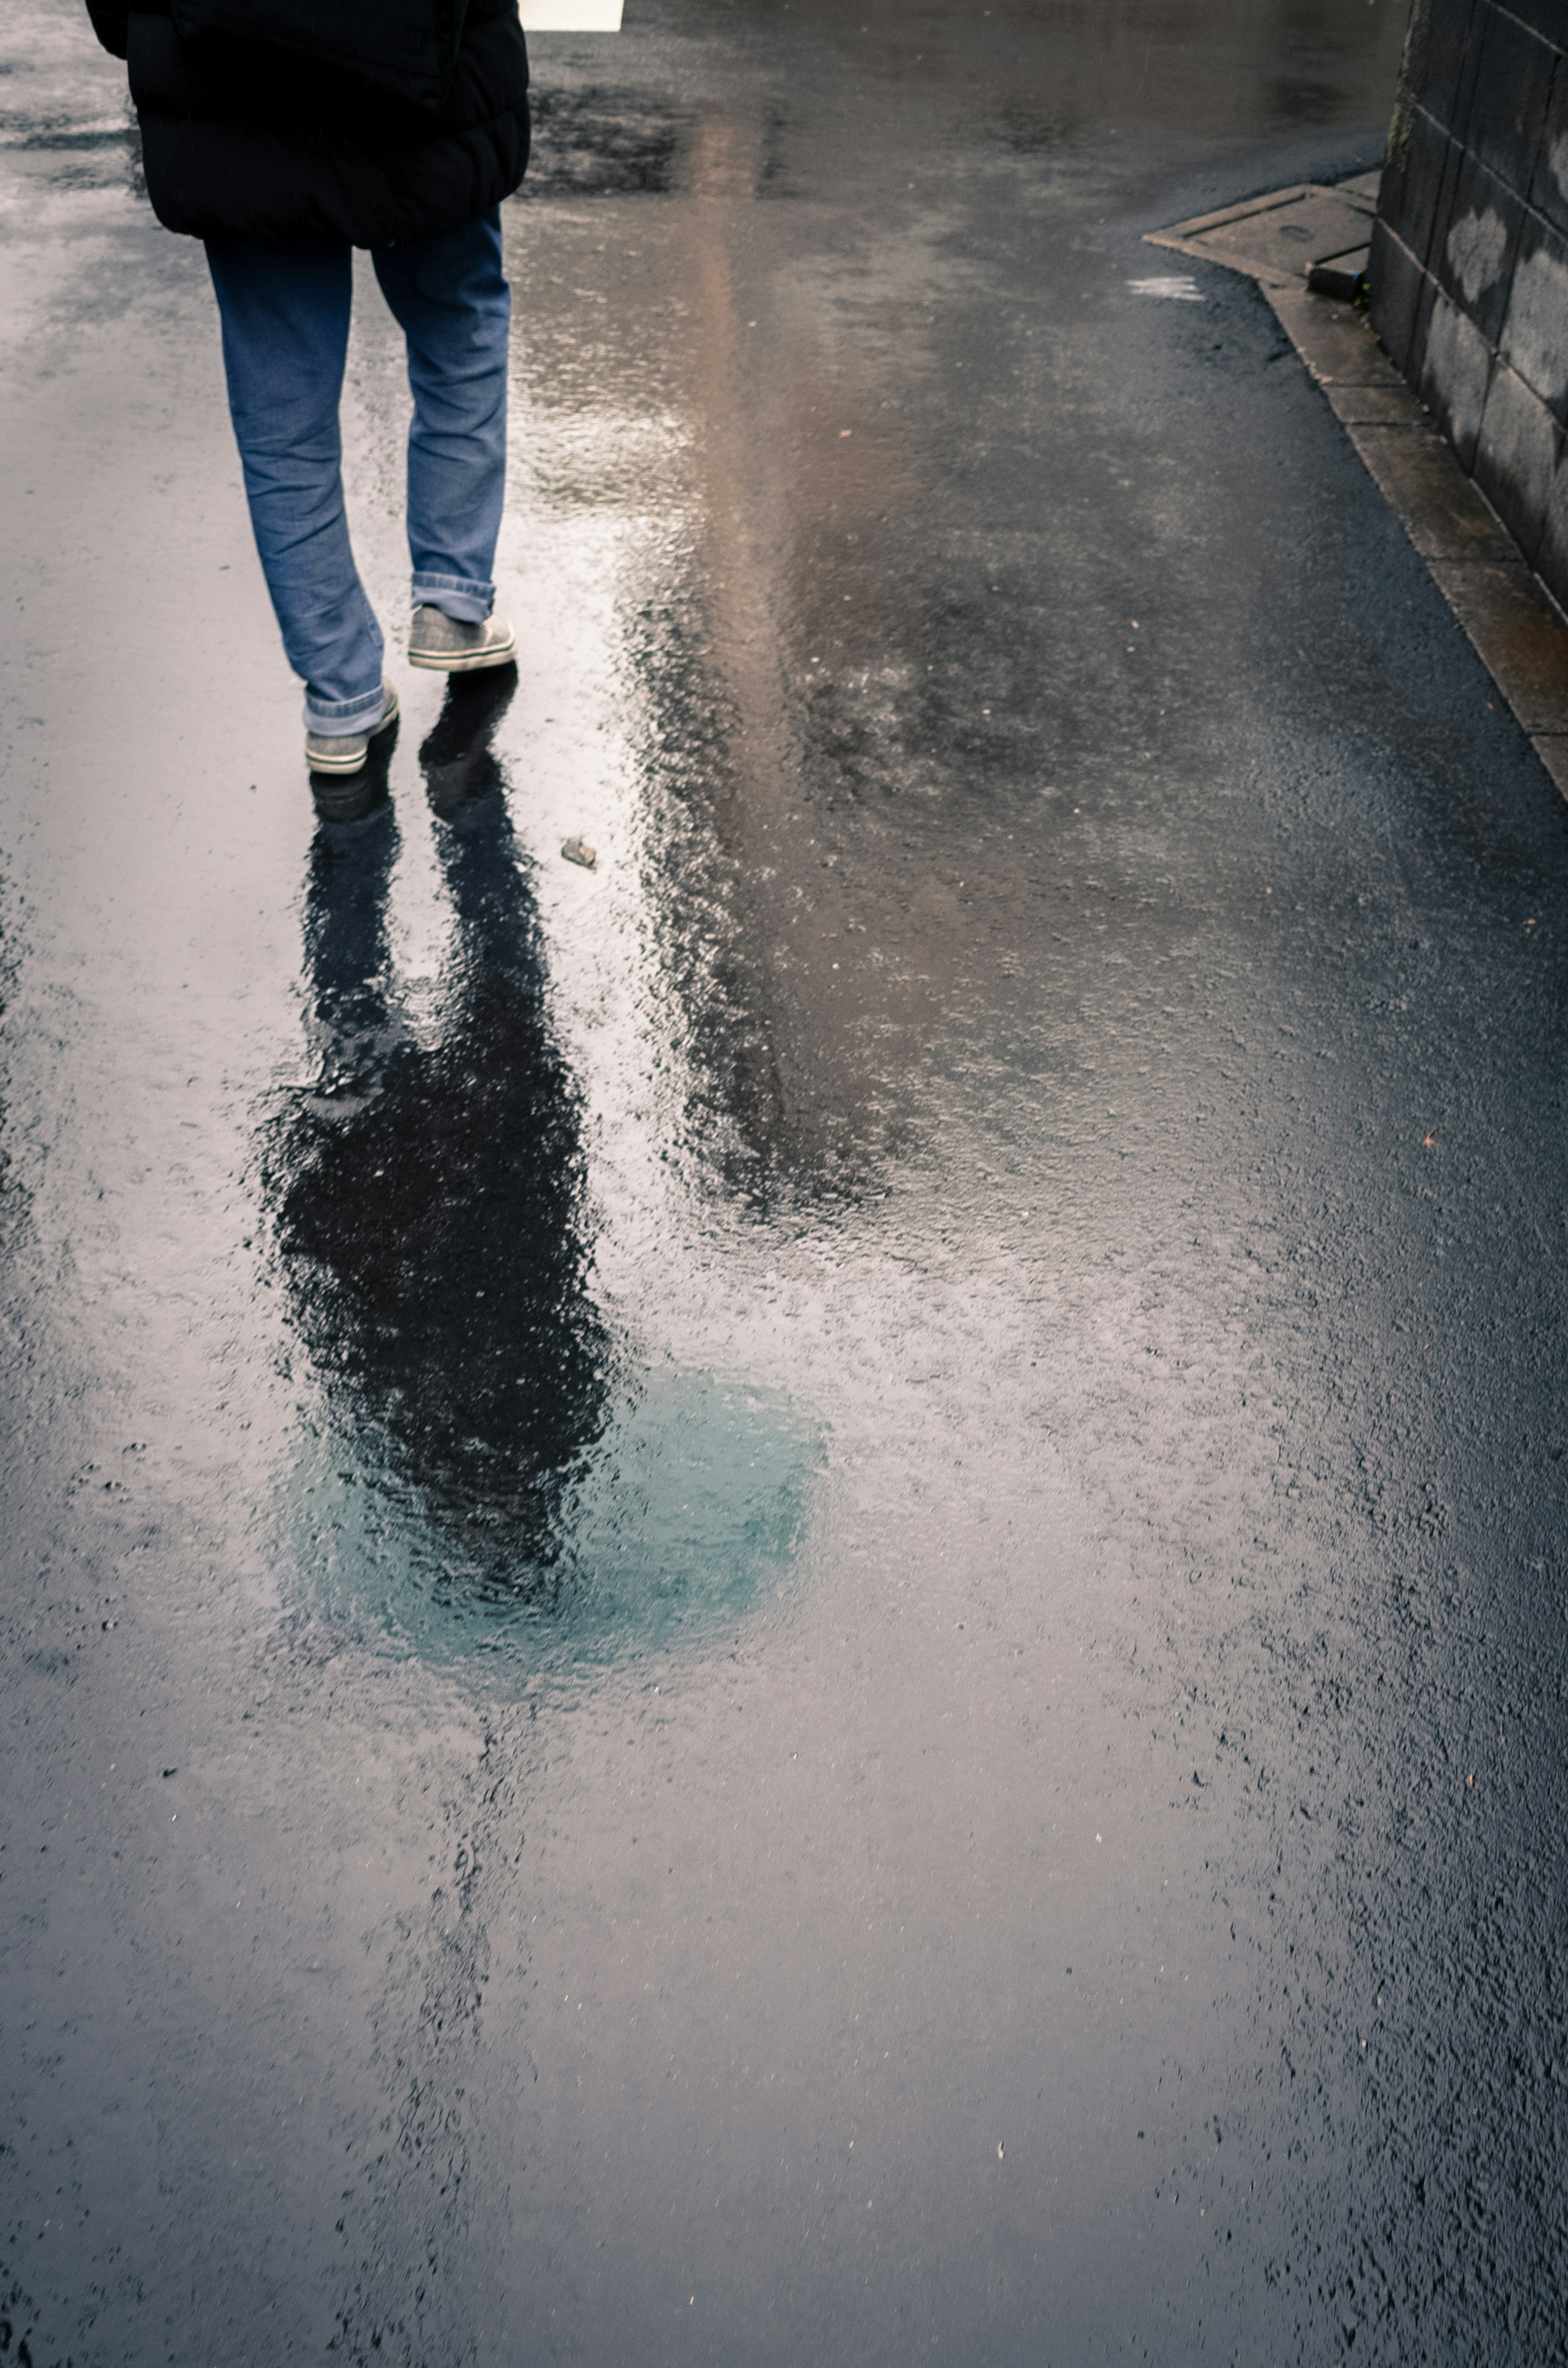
[1470, 253]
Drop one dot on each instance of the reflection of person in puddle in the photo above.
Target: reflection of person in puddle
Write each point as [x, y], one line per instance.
[429, 1192]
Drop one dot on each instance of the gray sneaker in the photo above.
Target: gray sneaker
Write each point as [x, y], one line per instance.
[454, 647]
[344, 752]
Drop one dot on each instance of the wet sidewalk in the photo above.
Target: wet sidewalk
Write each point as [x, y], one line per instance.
[800, 1600]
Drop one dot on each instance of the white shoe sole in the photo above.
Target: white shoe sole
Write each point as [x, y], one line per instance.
[336, 766]
[466, 661]
[339, 765]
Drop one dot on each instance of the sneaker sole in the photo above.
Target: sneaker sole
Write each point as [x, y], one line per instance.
[338, 769]
[464, 661]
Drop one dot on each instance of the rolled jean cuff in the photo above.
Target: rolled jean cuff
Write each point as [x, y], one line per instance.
[458, 596]
[339, 718]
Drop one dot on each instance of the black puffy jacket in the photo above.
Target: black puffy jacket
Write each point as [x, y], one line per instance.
[242, 139]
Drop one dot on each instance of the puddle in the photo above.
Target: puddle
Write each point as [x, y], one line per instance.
[689, 1510]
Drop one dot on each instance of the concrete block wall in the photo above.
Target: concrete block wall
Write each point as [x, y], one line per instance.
[1470, 252]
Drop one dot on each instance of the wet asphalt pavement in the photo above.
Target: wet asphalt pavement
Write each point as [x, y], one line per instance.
[801, 1602]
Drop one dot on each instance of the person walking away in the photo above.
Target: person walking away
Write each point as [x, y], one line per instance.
[284, 133]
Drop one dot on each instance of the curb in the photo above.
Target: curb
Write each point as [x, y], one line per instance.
[1516, 628]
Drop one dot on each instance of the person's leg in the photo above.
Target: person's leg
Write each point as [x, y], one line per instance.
[285, 317]
[450, 298]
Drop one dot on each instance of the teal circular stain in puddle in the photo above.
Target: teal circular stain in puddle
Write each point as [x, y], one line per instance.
[690, 1507]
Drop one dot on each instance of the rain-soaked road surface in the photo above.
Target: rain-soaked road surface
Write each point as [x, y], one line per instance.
[803, 1602]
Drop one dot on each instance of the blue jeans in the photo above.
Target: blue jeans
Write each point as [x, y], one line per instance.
[285, 317]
